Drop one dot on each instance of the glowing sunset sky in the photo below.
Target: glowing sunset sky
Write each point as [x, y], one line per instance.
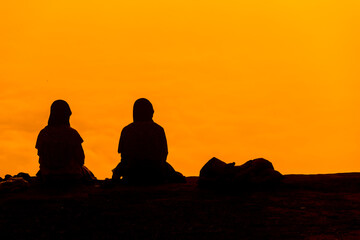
[232, 79]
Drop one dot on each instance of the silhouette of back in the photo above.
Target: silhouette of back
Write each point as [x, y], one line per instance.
[61, 155]
[143, 149]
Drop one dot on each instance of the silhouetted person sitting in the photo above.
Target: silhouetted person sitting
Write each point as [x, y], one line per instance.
[61, 155]
[143, 149]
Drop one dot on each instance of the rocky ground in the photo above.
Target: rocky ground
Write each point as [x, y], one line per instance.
[312, 207]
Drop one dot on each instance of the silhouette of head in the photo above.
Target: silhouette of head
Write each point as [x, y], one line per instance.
[143, 110]
[59, 113]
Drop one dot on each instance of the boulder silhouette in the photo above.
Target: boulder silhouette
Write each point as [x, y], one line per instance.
[7, 177]
[23, 175]
[14, 184]
[252, 174]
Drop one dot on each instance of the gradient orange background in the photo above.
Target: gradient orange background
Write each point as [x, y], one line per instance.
[232, 79]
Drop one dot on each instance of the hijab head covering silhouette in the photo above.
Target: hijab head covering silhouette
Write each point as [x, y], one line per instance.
[59, 114]
[143, 110]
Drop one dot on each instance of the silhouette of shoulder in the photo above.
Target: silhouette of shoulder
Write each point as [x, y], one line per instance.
[58, 134]
[142, 126]
[137, 135]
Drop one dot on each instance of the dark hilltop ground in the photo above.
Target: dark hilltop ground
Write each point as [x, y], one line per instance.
[313, 207]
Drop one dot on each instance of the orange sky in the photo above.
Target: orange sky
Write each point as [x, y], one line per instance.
[232, 79]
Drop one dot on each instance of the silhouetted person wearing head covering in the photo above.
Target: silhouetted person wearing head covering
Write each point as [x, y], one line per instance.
[143, 149]
[61, 155]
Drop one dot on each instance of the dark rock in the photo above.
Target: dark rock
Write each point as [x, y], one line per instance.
[176, 177]
[7, 177]
[25, 176]
[339, 182]
[253, 174]
[257, 172]
[216, 173]
[215, 168]
[14, 184]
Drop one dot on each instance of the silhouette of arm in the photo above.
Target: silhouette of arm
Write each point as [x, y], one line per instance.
[38, 144]
[164, 147]
[121, 141]
[76, 141]
[79, 154]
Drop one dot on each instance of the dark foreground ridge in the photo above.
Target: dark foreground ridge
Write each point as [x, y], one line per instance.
[303, 207]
